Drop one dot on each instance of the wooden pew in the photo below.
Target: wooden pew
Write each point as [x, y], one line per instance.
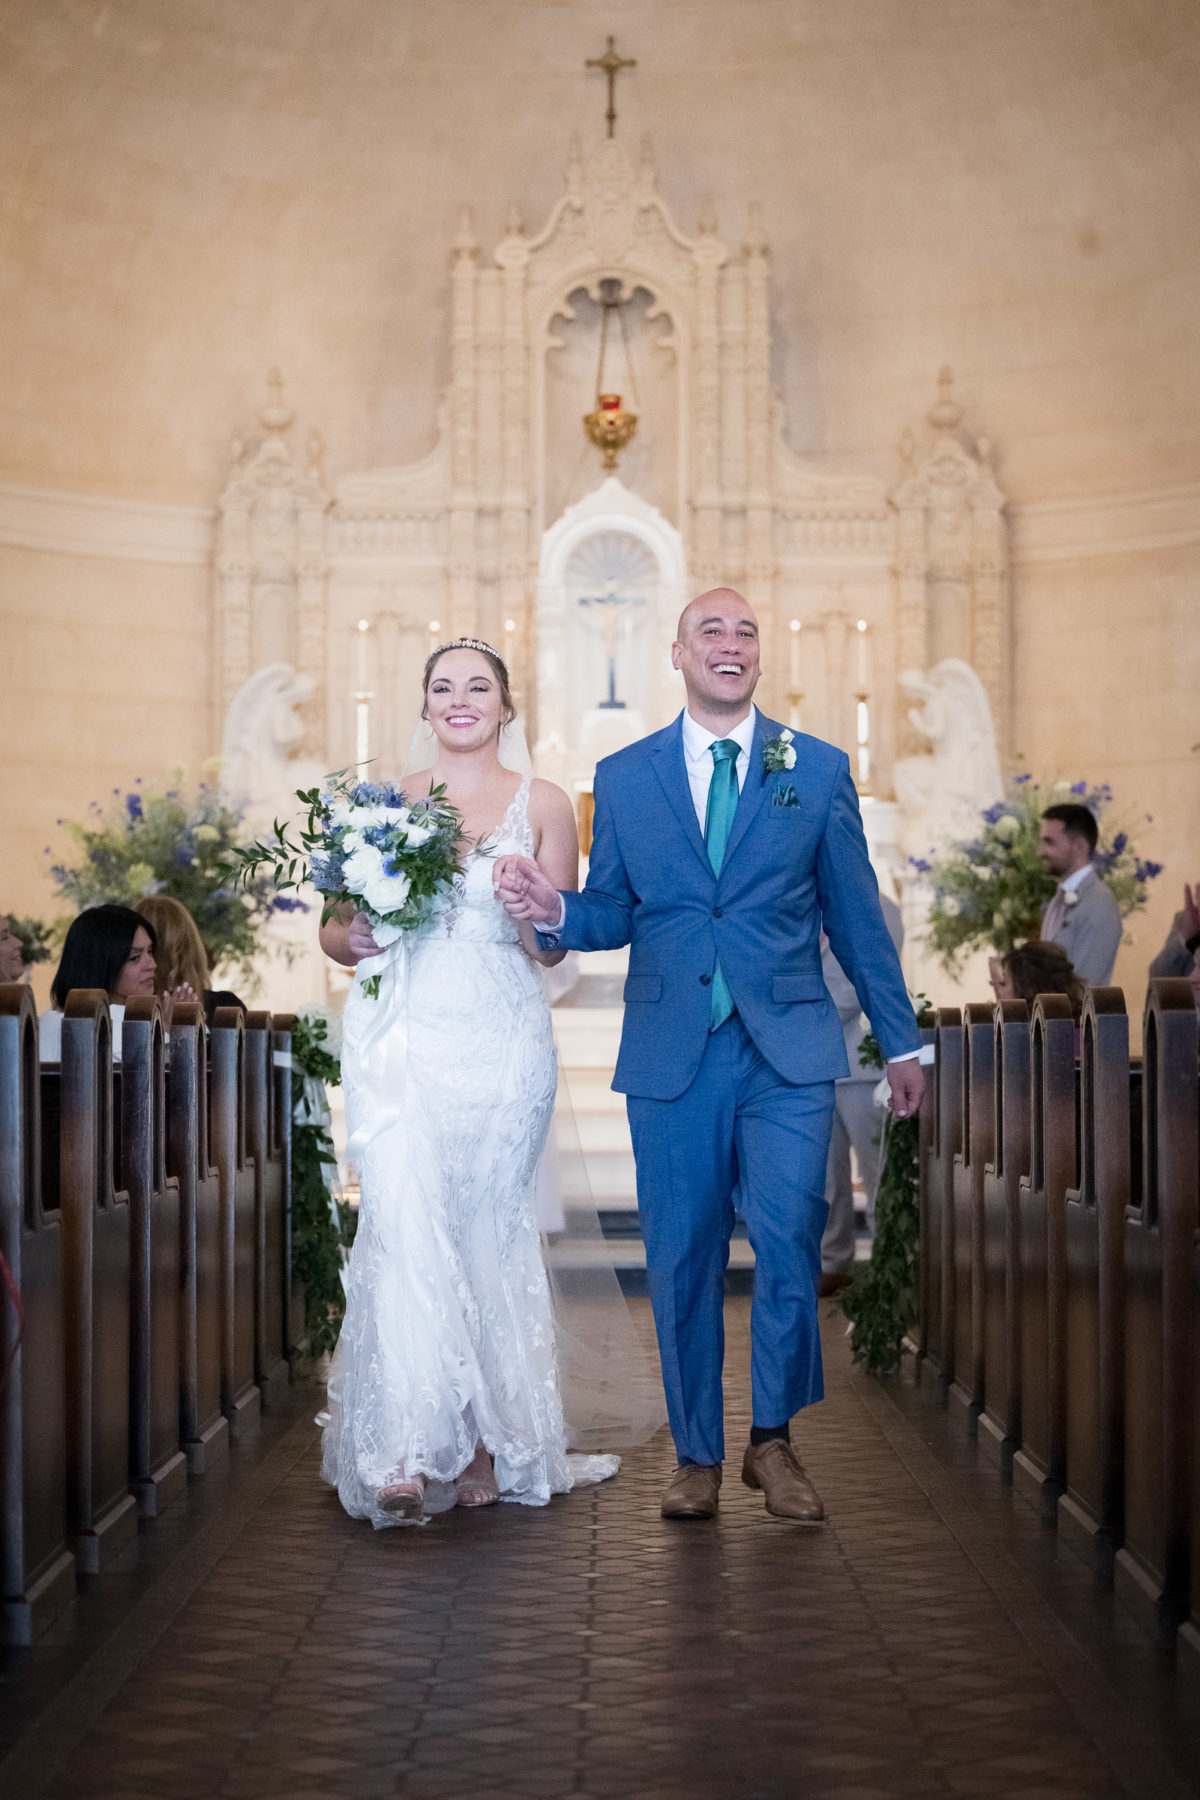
[157, 1464]
[203, 1427]
[37, 1570]
[101, 1511]
[270, 1366]
[294, 1333]
[1151, 1567]
[1038, 1468]
[937, 1201]
[999, 1423]
[1089, 1511]
[976, 1139]
[241, 1398]
[916, 1338]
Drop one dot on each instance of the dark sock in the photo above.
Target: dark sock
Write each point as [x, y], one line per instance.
[762, 1434]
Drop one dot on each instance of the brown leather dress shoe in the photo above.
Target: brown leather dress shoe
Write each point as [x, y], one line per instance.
[789, 1493]
[692, 1492]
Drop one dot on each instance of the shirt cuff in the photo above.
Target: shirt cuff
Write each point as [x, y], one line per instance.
[909, 1056]
[548, 927]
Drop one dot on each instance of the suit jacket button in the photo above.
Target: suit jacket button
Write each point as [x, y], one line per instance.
[705, 980]
[718, 912]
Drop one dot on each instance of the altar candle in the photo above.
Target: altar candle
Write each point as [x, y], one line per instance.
[794, 665]
[364, 625]
[863, 668]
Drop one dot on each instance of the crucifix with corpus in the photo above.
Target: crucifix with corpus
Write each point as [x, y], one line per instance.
[612, 64]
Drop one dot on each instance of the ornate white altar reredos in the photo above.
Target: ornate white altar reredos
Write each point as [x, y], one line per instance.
[507, 529]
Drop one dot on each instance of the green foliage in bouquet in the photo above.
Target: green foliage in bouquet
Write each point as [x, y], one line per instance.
[989, 890]
[881, 1301]
[34, 938]
[179, 844]
[322, 1223]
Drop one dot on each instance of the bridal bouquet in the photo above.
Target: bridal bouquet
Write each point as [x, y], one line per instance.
[392, 858]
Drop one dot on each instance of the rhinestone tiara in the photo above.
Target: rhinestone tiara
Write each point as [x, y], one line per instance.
[466, 643]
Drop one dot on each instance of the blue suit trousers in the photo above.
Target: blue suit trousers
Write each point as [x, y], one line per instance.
[738, 1126]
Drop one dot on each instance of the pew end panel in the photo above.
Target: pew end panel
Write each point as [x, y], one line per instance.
[936, 1274]
[1089, 1510]
[101, 1510]
[37, 1569]
[975, 1139]
[999, 1423]
[915, 1339]
[1151, 1569]
[241, 1397]
[271, 1369]
[203, 1427]
[158, 1466]
[1039, 1463]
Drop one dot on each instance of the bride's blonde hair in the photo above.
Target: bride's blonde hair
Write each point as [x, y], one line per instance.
[179, 949]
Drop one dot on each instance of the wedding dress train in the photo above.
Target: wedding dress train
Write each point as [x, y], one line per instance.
[450, 1331]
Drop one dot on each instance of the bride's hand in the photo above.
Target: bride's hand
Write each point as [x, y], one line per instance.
[361, 941]
[524, 891]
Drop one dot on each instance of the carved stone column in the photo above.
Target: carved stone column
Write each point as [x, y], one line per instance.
[706, 510]
[512, 256]
[760, 514]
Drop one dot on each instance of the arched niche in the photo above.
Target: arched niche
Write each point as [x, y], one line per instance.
[614, 547]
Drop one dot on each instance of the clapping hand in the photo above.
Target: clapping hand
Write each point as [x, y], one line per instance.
[361, 939]
[524, 891]
[178, 996]
[1187, 919]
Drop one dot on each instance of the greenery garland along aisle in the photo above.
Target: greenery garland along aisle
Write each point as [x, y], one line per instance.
[881, 1301]
[322, 1223]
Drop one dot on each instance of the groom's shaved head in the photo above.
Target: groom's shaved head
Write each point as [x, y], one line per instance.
[715, 604]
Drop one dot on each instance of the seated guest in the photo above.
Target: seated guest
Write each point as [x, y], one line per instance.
[1033, 969]
[180, 953]
[12, 953]
[1178, 954]
[1083, 916]
[108, 947]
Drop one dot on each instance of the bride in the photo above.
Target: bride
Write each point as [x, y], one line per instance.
[445, 1387]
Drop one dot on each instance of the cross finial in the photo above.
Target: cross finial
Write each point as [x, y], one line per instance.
[612, 64]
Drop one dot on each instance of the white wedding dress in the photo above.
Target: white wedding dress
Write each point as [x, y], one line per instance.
[449, 1337]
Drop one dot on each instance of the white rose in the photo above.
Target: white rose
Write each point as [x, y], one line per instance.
[340, 814]
[1007, 829]
[785, 737]
[386, 893]
[417, 834]
[951, 907]
[789, 755]
[360, 867]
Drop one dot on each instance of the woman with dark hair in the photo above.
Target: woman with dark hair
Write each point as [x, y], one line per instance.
[108, 947]
[1036, 968]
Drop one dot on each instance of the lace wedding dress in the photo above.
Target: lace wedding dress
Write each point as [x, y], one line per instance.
[449, 1337]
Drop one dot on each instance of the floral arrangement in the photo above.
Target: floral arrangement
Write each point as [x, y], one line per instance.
[177, 844]
[989, 891]
[881, 1301]
[323, 1224]
[364, 843]
[34, 939]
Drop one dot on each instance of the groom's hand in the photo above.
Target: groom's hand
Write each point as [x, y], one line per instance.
[908, 1088]
[524, 892]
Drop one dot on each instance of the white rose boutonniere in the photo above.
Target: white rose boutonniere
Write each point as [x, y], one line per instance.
[1071, 897]
[778, 754]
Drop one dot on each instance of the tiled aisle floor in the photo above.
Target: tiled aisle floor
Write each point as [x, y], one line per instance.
[931, 1641]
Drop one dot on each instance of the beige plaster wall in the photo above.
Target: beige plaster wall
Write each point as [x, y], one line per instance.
[193, 190]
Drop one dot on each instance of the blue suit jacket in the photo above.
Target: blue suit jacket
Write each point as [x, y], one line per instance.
[788, 870]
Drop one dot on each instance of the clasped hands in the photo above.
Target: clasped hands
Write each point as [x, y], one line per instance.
[526, 894]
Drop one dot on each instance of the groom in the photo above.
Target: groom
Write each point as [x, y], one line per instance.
[719, 859]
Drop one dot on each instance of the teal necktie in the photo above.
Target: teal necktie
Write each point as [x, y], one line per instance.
[718, 822]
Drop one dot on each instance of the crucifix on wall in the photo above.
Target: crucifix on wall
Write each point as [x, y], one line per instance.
[612, 64]
[616, 613]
